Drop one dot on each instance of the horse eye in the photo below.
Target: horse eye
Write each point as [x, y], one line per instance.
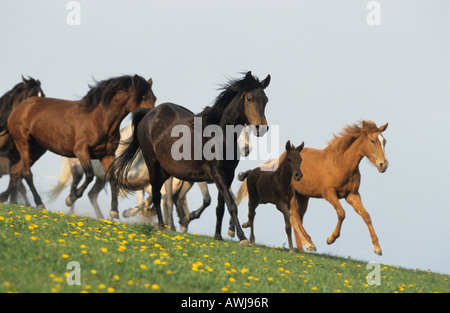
[289, 160]
[372, 141]
[249, 98]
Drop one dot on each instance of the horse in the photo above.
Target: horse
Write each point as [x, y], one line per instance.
[333, 173]
[274, 187]
[180, 189]
[8, 102]
[242, 101]
[86, 129]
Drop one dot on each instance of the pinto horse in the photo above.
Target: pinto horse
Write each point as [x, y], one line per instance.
[274, 187]
[241, 102]
[86, 129]
[8, 102]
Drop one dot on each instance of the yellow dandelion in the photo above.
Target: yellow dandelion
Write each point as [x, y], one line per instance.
[65, 256]
[143, 266]
[155, 287]
[104, 250]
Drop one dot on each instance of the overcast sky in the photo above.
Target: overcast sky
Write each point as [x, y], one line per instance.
[329, 68]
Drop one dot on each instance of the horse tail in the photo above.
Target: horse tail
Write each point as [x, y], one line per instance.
[4, 124]
[242, 192]
[119, 169]
[66, 173]
[243, 175]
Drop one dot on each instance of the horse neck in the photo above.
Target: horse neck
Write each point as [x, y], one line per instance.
[353, 155]
[283, 172]
[232, 115]
[112, 114]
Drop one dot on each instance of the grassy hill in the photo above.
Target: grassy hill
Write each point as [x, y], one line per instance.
[36, 247]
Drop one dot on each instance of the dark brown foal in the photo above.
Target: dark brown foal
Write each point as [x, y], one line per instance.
[274, 187]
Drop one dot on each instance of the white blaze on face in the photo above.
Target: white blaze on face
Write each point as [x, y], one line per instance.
[382, 144]
[39, 94]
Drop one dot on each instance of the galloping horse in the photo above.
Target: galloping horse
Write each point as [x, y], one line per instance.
[86, 129]
[274, 187]
[8, 102]
[333, 173]
[241, 102]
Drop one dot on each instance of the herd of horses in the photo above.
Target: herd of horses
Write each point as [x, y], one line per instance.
[139, 157]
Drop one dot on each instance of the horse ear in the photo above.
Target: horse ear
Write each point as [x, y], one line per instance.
[288, 145]
[265, 82]
[300, 148]
[38, 83]
[383, 128]
[150, 82]
[24, 81]
[136, 81]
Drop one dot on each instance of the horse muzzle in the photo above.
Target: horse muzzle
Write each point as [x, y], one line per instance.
[297, 176]
[260, 130]
[383, 166]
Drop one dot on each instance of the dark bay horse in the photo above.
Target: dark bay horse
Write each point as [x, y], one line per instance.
[8, 102]
[274, 187]
[86, 129]
[157, 135]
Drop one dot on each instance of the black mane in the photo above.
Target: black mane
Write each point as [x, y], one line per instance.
[212, 115]
[104, 91]
[7, 100]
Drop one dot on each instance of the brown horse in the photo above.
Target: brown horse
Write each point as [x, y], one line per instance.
[8, 102]
[333, 173]
[274, 187]
[86, 129]
[156, 135]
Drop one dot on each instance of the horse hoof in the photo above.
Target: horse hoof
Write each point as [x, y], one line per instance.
[311, 248]
[113, 215]
[40, 207]
[330, 240]
[246, 225]
[126, 213]
[183, 229]
[377, 251]
[69, 200]
[244, 242]
[231, 233]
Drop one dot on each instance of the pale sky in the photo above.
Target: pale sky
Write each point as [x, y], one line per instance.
[329, 68]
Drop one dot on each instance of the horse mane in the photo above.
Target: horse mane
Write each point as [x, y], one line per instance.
[7, 100]
[213, 114]
[104, 91]
[350, 134]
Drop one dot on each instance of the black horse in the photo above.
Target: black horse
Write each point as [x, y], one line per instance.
[197, 155]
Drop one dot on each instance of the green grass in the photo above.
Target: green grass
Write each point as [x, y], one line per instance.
[36, 246]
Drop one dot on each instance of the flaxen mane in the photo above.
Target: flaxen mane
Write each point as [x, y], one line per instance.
[350, 134]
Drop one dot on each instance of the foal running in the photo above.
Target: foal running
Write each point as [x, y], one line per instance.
[274, 187]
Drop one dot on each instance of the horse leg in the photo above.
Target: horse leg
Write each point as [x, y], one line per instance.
[252, 205]
[206, 201]
[23, 192]
[30, 152]
[179, 197]
[332, 198]
[168, 203]
[224, 189]
[93, 195]
[298, 208]
[354, 199]
[283, 208]
[106, 163]
[83, 156]
[220, 210]
[77, 175]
